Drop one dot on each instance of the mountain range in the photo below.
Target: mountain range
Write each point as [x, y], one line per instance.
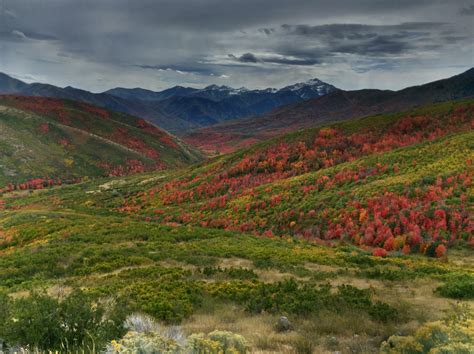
[179, 109]
[221, 119]
[335, 106]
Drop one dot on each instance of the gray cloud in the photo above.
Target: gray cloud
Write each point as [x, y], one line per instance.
[273, 59]
[370, 40]
[196, 69]
[17, 35]
[469, 11]
[311, 45]
[245, 58]
[159, 43]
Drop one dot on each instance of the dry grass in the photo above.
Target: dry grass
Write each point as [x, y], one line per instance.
[327, 332]
[235, 262]
[259, 330]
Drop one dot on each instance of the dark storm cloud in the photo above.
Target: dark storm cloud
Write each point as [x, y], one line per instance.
[369, 40]
[245, 58]
[203, 14]
[195, 69]
[332, 42]
[153, 42]
[290, 61]
[469, 11]
[252, 58]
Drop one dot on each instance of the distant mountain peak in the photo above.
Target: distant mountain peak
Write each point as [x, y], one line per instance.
[310, 82]
[309, 89]
[219, 88]
[315, 81]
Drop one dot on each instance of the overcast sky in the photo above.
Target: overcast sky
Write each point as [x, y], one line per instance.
[100, 44]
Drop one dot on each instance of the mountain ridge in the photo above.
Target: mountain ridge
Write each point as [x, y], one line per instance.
[338, 105]
[177, 109]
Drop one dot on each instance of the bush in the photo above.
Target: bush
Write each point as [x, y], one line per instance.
[434, 337]
[291, 297]
[286, 297]
[380, 252]
[459, 287]
[382, 312]
[168, 299]
[146, 343]
[453, 335]
[217, 342]
[232, 273]
[47, 323]
[161, 342]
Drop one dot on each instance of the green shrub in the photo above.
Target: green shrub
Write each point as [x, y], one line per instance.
[48, 323]
[389, 274]
[382, 312]
[454, 335]
[168, 299]
[287, 297]
[232, 273]
[291, 297]
[217, 342]
[458, 287]
[144, 342]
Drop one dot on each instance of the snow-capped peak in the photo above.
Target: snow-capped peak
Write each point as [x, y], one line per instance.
[300, 85]
[309, 89]
[314, 82]
[238, 91]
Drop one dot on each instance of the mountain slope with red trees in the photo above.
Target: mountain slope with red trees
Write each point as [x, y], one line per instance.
[45, 139]
[401, 182]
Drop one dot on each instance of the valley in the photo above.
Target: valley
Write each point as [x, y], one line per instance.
[236, 177]
[359, 232]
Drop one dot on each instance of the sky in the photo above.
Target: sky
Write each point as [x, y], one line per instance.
[100, 44]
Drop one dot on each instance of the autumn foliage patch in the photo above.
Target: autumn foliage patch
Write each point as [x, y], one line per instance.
[231, 194]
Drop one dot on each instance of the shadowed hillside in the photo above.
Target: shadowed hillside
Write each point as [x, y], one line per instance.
[50, 139]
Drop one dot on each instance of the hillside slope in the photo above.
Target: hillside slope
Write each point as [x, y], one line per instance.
[339, 105]
[338, 182]
[58, 139]
[247, 235]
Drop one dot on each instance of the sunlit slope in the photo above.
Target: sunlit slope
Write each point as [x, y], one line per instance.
[384, 181]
